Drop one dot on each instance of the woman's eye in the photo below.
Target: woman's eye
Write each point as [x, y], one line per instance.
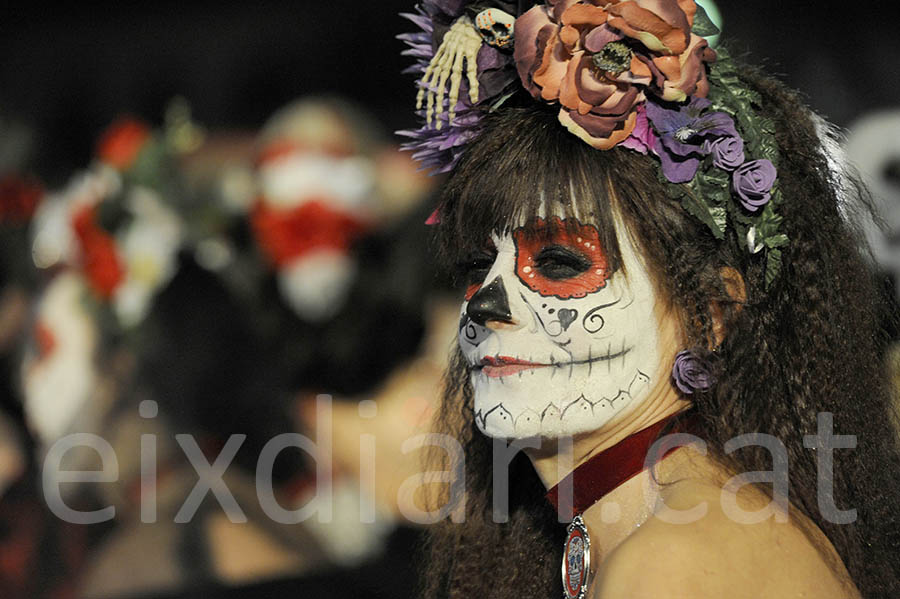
[560, 262]
[475, 267]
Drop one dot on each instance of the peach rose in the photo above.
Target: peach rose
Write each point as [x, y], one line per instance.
[599, 59]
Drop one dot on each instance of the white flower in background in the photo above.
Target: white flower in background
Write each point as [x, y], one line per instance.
[148, 247]
[58, 374]
[53, 238]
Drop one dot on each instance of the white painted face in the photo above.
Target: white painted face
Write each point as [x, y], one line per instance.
[568, 344]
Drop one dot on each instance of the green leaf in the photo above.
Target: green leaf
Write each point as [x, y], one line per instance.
[718, 178]
[720, 216]
[773, 267]
[501, 100]
[767, 125]
[768, 222]
[675, 192]
[776, 241]
[768, 149]
[703, 25]
[699, 209]
[776, 194]
[724, 56]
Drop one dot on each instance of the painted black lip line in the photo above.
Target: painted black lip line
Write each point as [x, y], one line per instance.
[603, 358]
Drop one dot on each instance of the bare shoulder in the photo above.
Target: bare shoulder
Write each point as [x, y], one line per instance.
[715, 556]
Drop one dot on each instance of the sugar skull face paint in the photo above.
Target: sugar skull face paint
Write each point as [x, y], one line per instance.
[557, 344]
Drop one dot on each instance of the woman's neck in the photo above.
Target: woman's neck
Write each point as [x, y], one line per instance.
[618, 513]
[555, 459]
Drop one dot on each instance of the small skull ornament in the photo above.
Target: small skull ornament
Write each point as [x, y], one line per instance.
[496, 27]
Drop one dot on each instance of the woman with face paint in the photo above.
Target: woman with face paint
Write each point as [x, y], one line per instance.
[654, 242]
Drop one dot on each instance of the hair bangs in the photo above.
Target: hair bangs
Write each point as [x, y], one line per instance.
[512, 175]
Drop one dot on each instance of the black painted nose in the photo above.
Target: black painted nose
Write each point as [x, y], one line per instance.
[490, 303]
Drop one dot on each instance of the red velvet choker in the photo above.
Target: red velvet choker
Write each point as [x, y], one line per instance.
[592, 480]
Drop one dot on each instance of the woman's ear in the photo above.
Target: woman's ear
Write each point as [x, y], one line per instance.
[733, 283]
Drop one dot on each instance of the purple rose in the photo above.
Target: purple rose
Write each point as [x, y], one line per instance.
[691, 373]
[753, 183]
[727, 152]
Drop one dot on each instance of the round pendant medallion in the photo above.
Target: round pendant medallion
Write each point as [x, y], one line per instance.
[576, 564]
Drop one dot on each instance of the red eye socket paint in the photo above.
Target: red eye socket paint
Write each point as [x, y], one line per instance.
[472, 290]
[581, 238]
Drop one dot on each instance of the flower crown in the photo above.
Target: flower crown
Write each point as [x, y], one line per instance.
[628, 73]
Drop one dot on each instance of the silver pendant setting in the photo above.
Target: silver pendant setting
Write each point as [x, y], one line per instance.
[576, 563]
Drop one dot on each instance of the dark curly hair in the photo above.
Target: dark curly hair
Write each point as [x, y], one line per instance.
[811, 343]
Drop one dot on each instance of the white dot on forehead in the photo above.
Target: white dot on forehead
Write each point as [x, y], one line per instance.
[527, 269]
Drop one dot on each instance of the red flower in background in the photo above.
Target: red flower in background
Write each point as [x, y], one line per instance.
[121, 142]
[287, 234]
[100, 261]
[19, 197]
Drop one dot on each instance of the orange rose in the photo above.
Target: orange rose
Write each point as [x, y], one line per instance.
[600, 58]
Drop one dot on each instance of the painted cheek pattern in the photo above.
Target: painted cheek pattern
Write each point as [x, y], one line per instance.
[581, 238]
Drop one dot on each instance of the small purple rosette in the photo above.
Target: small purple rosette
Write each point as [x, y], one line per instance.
[753, 183]
[691, 373]
[727, 152]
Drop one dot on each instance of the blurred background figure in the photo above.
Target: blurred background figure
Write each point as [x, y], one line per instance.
[201, 284]
[316, 173]
[873, 146]
[29, 535]
[19, 198]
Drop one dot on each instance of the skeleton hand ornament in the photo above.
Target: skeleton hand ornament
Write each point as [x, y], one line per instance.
[461, 43]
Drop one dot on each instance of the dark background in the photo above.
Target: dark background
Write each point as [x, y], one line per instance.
[69, 71]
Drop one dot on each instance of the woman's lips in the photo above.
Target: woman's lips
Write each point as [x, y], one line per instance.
[497, 366]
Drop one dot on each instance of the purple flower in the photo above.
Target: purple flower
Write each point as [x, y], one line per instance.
[691, 373]
[451, 8]
[683, 134]
[753, 183]
[727, 152]
[438, 150]
[642, 138]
